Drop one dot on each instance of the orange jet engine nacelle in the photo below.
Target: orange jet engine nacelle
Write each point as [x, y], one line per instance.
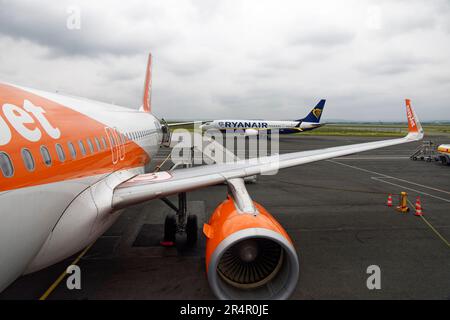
[249, 255]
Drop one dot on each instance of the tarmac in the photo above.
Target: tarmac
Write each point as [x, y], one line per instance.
[335, 212]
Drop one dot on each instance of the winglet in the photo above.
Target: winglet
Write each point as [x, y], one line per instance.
[147, 98]
[414, 127]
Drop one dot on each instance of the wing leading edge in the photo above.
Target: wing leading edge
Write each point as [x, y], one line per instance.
[156, 185]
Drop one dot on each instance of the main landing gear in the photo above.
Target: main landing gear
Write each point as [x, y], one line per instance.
[180, 222]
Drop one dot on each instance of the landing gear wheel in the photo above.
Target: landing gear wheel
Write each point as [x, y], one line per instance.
[170, 230]
[191, 230]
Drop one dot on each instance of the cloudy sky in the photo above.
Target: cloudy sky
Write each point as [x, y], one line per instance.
[236, 58]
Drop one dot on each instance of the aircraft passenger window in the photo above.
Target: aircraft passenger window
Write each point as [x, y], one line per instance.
[6, 165]
[72, 150]
[91, 147]
[28, 159]
[113, 141]
[46, 156]
[82, 148]
[104, 143]
[60, 153]
[97, 143]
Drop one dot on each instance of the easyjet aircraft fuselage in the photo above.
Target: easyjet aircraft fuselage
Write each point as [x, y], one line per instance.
[60, 154]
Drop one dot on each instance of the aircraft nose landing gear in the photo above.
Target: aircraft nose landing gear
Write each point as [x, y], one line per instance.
[179, 223]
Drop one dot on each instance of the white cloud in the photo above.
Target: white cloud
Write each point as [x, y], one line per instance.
[237, 58]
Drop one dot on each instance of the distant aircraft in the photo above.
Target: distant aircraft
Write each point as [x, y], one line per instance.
[69, 166]
[255, 127]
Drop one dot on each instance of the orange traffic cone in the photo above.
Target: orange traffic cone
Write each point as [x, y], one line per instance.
[418, 207]
[389, 200]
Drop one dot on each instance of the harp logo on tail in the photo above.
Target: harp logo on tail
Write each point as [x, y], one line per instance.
[317, 112]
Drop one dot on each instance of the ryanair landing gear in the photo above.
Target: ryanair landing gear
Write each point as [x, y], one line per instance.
[180, 223]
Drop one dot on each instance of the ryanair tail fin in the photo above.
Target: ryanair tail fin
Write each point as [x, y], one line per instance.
[147, 97]
[315, 114]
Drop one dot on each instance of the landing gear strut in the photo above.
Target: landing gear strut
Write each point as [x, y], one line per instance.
[180, 222]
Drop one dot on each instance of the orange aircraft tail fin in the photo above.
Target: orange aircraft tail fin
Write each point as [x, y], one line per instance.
[147, 98]
[413, 122]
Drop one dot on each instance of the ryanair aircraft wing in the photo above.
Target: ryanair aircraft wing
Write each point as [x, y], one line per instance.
[156, 185]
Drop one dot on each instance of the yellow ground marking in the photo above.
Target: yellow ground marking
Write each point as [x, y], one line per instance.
[440, 236]
[432, 228]
[162, 163]
[63, 275]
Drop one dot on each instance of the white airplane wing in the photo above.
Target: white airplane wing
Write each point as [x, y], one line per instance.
[175, 124]
[156, 185]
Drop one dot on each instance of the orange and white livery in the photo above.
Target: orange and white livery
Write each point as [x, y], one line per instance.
[69, 166]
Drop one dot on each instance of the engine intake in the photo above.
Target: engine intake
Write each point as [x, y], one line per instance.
[251, 263]
[249, 255]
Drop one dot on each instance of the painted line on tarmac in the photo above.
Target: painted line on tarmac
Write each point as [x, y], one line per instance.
[411, 189]
[432, 228]
[398, 179]
[63, 275]
[440, 236]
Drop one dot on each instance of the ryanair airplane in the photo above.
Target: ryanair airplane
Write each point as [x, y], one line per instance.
[254, 127]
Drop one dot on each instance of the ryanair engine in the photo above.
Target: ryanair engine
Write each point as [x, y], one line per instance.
[248, 253]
